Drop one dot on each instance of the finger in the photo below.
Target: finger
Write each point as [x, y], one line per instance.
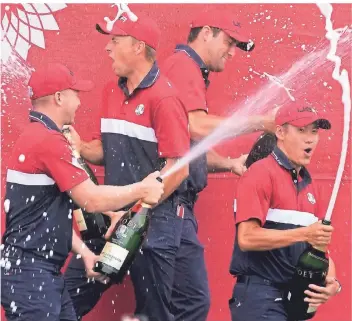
[317, 288]
[316, 296]
[103, 280]
[314, 301]
[155, 174]
[109, 232]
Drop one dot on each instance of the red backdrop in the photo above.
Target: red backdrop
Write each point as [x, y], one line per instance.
[283, 34]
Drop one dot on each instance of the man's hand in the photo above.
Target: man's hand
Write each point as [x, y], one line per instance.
[153, 189]
[323, 293]
[237, 165]
[90, 259]
[75, 140]
[318, 234]
[115, 217]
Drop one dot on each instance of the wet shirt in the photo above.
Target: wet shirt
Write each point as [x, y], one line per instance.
[41, 169]
[189, 74]
[140, 130]
[272, 192]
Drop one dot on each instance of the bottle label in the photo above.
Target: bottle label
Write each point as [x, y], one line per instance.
[113, 255]
[311, 309]
[79, 218]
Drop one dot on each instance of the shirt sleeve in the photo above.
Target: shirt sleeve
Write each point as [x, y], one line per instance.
[190, 85]
[170, 123]
[103, 108]
[253, 194]
[59, 163]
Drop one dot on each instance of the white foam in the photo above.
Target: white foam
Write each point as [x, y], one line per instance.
[342, 77]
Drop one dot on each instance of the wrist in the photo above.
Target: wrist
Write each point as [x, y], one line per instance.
[141, 190]
[227, 164]
[338, 286]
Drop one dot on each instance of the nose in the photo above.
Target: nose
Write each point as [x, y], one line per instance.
[107, 48]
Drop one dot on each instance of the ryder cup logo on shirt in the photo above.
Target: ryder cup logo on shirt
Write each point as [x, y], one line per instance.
[139, 109]
[311, 198]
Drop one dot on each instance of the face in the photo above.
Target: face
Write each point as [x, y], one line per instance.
[298, 143]
[122, 49]
[220, 48]
[70, 102]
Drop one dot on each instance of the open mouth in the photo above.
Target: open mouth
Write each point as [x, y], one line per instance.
[308, 150]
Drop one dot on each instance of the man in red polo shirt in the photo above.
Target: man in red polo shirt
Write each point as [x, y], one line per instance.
[278, 215]
[212, 41]
[42, 184]
[143, 128]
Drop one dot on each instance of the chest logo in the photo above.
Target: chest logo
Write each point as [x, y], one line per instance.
[139, 110]
[311, 198]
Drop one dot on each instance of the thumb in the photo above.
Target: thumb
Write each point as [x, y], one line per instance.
[109, 232]
[155, 174]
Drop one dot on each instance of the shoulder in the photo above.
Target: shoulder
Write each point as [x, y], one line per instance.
[180, 62]
[260, 172]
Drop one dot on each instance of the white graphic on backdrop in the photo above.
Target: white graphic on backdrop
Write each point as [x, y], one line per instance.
[22, 28]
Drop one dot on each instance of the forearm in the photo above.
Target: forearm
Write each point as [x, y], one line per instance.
[217, 163]
[103, 198]
[92, 151]
[202, 124]
[173, 181]
[262, 239]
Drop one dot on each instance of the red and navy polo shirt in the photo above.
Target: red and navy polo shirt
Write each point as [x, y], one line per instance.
[187, 71]
[140, 130]
[272, 192]
[38, 210]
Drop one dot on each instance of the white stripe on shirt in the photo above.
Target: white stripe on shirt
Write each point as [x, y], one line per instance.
[129, 129]
[28, 179]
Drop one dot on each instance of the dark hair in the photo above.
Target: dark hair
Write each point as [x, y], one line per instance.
[150, 53]
[193, 34]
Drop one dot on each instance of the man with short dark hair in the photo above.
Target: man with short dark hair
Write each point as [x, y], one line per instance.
[43, 182]
[278, 216]
[212, 41]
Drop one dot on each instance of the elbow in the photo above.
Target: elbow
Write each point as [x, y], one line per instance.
[196, 131]
[92, 204]
[243, 243]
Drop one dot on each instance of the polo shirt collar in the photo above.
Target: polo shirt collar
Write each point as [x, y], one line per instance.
[35, 116]
[197, 59]
[283, 161]
[147, 81]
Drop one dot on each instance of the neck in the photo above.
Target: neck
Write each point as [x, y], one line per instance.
[138, 74]
[200, 50]
[295, 166]
[51, 114]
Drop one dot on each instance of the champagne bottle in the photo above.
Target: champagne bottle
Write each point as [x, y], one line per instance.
[90, 225]
[312, 268]
[127, 238]
[262, 148]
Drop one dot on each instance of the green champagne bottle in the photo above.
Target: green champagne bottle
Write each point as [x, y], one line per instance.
[90, 225]
[127, 238]
[312, 268]
[262, 148]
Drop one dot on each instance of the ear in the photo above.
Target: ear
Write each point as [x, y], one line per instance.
[280, 132]
[207, 33]
[140, 47]
[58, 98]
